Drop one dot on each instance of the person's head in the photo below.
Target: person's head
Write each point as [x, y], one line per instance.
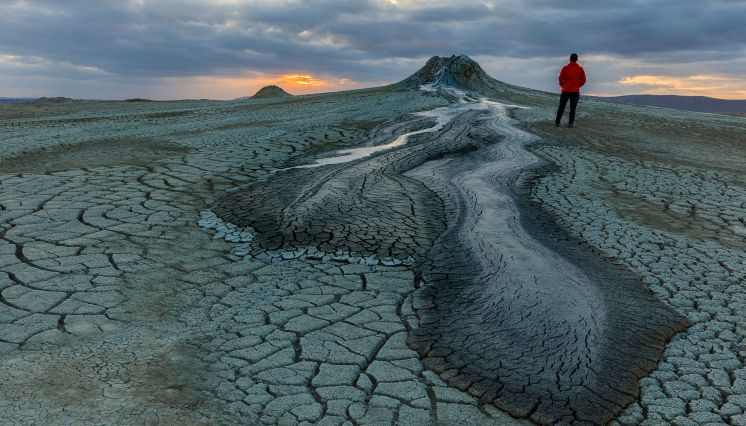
[574, 57]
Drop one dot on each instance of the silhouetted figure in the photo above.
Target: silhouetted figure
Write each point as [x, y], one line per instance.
[571, 78]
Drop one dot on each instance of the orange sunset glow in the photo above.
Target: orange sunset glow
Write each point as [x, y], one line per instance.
[696, 85]
[223, 49]
[304, 83]
[231, 87]
[302, 80]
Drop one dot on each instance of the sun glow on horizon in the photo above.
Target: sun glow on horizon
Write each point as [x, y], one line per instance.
[303, 80]
[231, 87]
[694, 85]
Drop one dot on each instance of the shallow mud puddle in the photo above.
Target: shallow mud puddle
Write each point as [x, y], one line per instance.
[442, 117]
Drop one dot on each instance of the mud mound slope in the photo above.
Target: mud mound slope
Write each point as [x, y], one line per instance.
[272, 91]
[456, 71]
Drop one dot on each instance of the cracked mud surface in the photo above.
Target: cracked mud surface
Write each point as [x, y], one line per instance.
[366, 209]
[539, 328]
[116, 307]
[502, 317]
[90, 154]
[679, 222]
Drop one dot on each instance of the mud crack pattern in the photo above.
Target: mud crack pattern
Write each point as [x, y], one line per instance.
[116, 308]
[688, 249]
[503, 317]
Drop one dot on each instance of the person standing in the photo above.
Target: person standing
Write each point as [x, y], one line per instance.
[571, 78]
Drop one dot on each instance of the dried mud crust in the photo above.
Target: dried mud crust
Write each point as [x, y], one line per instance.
[698, 270]
[687, 139]
[663, 193]
[364, 208]
[115, 307]
[565, 344]
[96, 153]
[301, 342]
[490, 333]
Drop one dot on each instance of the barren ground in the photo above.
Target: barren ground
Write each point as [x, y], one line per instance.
[115, 306]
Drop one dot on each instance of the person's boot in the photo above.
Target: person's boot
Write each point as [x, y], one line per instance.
[570, 126]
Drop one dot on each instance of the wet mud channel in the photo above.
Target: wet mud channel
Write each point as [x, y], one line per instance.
[511, 310]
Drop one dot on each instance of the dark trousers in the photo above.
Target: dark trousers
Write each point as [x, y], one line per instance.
[564, 97]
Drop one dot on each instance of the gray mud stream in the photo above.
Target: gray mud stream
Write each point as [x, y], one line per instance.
[540, 327]
[515, 322]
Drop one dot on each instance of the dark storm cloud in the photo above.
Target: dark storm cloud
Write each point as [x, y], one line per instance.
[187, 38]
[450, 13]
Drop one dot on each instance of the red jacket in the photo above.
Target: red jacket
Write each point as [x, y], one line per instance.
[572, 77]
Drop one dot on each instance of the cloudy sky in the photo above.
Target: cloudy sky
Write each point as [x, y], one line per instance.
[222, 49]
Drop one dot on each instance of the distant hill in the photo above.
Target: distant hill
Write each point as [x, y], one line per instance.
[53, 100]
[687, 103]
[268, 92]
[15, 100]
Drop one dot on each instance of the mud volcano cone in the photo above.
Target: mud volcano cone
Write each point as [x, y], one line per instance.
[272, 91]
[455, 71]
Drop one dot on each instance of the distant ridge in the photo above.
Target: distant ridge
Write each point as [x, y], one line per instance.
[15, 100]
[271, 91]
[53, 100]
[686, 103]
